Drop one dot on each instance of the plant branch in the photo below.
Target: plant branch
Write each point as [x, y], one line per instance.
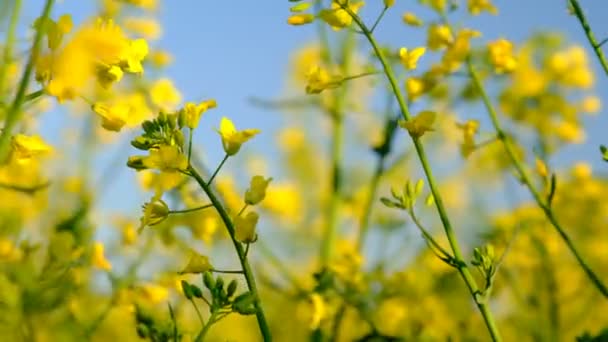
[460, 264]
[527, 181]
[247, 271]
[578, 12]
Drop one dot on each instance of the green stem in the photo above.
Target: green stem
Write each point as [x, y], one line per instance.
[378, 19]
[227, 271]
[198, 312]
[336, 112]
[519, 167]
[217, 170]
[460, 264]
[14, 112]
[10, 41]
[190, 134]
[578, 11]
[247, 271]
[189, 210]
[201, 335]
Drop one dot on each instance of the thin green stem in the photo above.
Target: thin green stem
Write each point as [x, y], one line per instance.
[190, 134]
[227, 271]
[10, 41]
[460, 264]
[526, 179]
[364, 74]
[206, 327]
[217, 170]
[578, 11]
[247, 271]
[198, 312]
[14, 112]
[336, 112]
[378, 19]
[189, 210]
[427, 236]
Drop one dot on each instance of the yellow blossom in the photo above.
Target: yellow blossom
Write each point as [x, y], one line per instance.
[458, 50]
[319, 80]
[319, 310]
[419, 124]
[26, 147]
[197, 264]
[164, 94]
[150, 5]
[113, 117]
[469, 129]
[409, 59]
[337, 17]
[541, 168]
[160, 58]
[192, 112]
[570, 132]
[570, 67]
[439, 36]
[412, 20]
[477, 6]
[154, 293]
[501, 55]
[257, 190]
[244, 227]
[591, 104]
[145, 27]
[133, 56]
[98, 258]
[56, 30]
[108, 75]
[233, 139]
[155, 212]
[166, 159]
[300, 19]
[414, 86]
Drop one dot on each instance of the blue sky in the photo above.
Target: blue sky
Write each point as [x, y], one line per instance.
[232, 50]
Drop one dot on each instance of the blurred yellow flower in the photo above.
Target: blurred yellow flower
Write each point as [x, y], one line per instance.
[257, 190]
[98, 258]
[412, 20]
[233, 139]
[300, 19]
[244, 227]
[26, 147]
[145, 27]
[501, 55]
[477, 6]
[113, 117]
[409, 59]
[439, 37]
[197, 264]
[337, 17]
[419, 124]
[164, 94]
[192, 112]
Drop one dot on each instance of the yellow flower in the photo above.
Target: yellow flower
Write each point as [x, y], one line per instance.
[477, 6]
[149, 5]
[439, 37]
[437, 5]
[108, 75]
[134, 54]
[591, 104]
[300, 19]
[409, 59]
[257, 190]
[570, 68]
[319, 310]
[570, 132]
[469, 129]
[192, 112]
[414, 86]
[160, 58]
[233, 139]
[164, 95]
[419, 124]
[458, 50]
[501, 56]
[412, 20]
[56, 30]
[541, 168]
[155, 212]
[26, 147]
[197, 264]
[319, 80]
[338, 18]
[154, 293]
[113, 117]
[166, 159]
[244, 227]
[389, 3]
[145, 27]
[98, 258]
